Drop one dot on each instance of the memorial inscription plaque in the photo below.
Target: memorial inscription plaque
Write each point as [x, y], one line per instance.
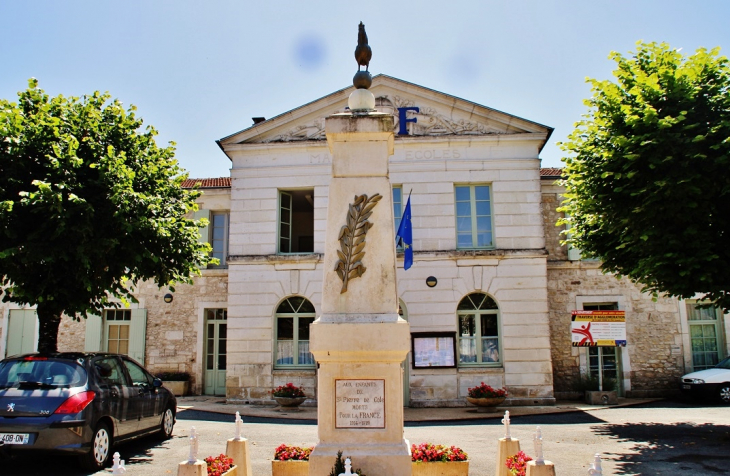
[359, 403]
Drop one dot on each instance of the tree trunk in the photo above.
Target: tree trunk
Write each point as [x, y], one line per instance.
[49, 320]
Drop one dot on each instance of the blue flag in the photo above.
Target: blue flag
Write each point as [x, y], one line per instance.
[404, 235]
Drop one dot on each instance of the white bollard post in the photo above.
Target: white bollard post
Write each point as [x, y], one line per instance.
[537, 440]
[595, 468]
[239, 425]
[193, 466]
[237, 448]
[118, 466]
[507, 447]
[348, 468]
[505, 422]
[539, 466]
[193, 454]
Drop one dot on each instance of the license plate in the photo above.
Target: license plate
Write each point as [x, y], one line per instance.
[686, 387]
[14, 438]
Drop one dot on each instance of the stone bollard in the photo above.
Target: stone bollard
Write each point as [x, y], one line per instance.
[595, 468]
[237, 448]
[193, 466]
[508, 446]
[118, 466]
[539, 467]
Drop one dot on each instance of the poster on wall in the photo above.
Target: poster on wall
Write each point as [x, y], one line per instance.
[433, 349]
[598, 328]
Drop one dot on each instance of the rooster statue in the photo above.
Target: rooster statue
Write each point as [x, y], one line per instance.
[363, 53]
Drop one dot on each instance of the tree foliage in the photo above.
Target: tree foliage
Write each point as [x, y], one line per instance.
[89, 206]
[648, 176]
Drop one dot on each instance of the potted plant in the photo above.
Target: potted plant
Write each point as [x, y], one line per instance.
[486, 397]
[438, 460]
[177, 382]
[291, 461]
[220, 465]
[289, 395]
[517, 464]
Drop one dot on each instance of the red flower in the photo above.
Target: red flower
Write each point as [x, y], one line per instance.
[430, 452]
[289, 391]
[517, 464]
[485, 391]
[287, 453]
[217, 465]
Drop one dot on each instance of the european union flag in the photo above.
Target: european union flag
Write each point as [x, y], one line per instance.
[404, 236]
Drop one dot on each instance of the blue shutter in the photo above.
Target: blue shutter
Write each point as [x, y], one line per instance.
[205, 231]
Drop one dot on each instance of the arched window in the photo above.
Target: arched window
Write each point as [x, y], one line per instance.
[478, 317]
[293, 317]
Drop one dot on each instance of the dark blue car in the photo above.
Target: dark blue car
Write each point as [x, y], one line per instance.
[79, 403]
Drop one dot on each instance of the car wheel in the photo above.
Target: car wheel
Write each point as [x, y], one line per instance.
[168, 421]
[101, 445]
[724, 393]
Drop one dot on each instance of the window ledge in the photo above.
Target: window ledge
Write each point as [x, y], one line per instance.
[499, 252]
[210, 272]
[277, 259]
[480, 370]
[294, 372]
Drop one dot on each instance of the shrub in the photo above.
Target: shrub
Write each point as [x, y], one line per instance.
[590, 383]
[339, 467]
[171, 375]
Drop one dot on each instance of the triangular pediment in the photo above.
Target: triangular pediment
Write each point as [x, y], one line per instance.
[427, 112]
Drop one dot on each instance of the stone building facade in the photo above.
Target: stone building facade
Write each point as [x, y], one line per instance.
[490, 280]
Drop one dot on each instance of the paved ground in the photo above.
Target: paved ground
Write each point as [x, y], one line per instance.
[650, 438]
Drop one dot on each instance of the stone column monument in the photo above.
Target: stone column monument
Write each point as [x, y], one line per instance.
[359, 340]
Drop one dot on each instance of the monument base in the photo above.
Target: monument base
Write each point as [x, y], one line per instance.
[382, 459]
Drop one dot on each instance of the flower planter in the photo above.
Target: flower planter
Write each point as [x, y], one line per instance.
[177, 387]
[290, 402]
[486, 405]
[440, 468]
[231, 472]
[596, 397]
[290, 468]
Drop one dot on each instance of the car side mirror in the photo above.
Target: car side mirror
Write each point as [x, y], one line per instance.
[157, 383]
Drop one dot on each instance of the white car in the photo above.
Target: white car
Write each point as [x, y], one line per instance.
[713, 382]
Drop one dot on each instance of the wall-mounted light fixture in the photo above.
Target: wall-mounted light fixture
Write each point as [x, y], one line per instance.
[168, 298]
[431, 281]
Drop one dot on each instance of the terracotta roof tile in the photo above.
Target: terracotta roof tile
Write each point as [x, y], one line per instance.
[218, 182]
[551, 172]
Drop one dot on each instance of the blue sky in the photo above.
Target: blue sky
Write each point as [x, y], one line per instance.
[198, 71]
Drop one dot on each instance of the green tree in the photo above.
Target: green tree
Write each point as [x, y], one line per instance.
[89, 206]
[648, 176]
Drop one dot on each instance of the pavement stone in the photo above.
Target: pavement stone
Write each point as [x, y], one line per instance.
[309, 412]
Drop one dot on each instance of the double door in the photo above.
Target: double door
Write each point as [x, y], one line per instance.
[216, 332]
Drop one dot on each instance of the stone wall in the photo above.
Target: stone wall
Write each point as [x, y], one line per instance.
[651, 362]
[174, 335]
[650, 368]
[553, 234]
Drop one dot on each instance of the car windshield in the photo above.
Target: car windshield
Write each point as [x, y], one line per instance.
[724, 364]
[29, 374]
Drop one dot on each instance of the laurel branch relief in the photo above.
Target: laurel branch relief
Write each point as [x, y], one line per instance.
[352, 239]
